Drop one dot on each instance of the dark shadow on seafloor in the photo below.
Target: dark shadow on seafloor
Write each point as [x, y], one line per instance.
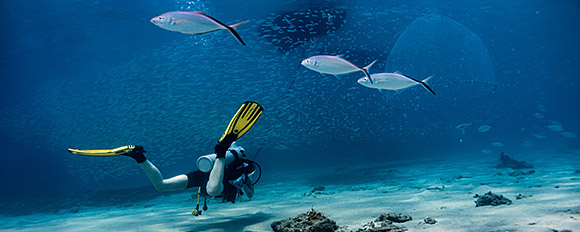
[234, 223]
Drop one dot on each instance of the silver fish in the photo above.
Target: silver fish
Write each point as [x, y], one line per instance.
[484, 128]
[194, 22]
[556, 128]
[540, 136]
[497, 144]
[393, 81]
[568, 134]
[334, 65]
[527, 143]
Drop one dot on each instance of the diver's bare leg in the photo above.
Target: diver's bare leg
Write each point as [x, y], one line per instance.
[175, 183]
[216, 176]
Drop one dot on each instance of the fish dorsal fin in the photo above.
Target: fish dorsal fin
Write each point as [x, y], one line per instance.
[199, 12]
[398, 72]
[340, 56]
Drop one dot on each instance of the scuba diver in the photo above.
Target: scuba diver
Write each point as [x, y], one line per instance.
[227, 172]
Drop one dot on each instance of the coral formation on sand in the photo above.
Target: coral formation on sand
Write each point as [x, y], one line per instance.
[313, 221]
[318, 190]
[394, 217]
[507, 162]
[521, 173]
[491, 199]
[522, 196]
[385, 223]
[385, 226]
[430, 220]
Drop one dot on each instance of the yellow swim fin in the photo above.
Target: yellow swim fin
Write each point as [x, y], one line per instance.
[103, 152]
[243, 120]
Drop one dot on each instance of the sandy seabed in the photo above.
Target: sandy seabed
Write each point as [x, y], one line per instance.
[441, 189]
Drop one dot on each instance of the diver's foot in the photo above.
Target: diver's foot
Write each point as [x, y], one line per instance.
[222, 146]
[137, 154]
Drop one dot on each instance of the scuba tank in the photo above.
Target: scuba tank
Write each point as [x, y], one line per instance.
[205, 163]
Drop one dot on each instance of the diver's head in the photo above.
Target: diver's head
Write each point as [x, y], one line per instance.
[239, 149]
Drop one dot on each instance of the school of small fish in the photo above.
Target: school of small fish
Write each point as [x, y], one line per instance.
[551, 126]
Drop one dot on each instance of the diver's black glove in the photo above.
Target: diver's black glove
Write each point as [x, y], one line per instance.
[221, 147]
[137, 154]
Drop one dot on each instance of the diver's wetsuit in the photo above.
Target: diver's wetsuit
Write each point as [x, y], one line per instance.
[197, 178]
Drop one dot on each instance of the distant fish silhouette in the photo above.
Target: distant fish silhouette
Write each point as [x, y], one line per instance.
[497, 144]
[461, 127]
[539, 136]
[568, 134]
[194, 22]
[527, 143]
[554, 127]
[484, 128]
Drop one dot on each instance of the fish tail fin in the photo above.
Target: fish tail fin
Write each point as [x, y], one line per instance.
[424, 84]
[232, 29]
[369, 66]
[366, 71]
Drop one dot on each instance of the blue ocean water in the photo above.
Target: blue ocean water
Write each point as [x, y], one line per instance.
[98, 74]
